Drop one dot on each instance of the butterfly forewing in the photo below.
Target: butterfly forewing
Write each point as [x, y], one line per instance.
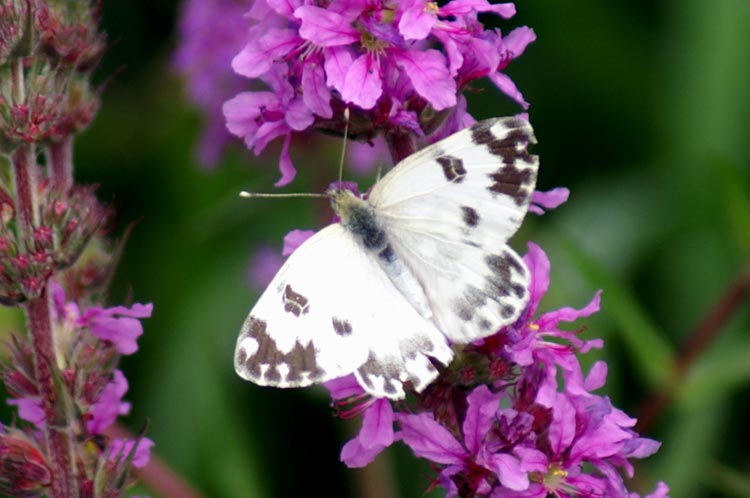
[448, 212]
[332, 311]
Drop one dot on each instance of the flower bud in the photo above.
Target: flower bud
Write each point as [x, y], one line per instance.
[23, 470]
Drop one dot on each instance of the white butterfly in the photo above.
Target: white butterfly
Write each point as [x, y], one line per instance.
[423, 263]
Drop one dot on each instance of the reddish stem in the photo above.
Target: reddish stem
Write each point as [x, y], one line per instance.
[60, 159]
[700, 338]
[24, 171]
[40, 329]
[59, 449]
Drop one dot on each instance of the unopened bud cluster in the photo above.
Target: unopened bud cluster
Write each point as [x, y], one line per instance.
[55, 262]
[67, 221]
[56, 45]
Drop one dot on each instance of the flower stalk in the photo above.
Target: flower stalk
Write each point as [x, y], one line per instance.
[57, 429]
[62, 373]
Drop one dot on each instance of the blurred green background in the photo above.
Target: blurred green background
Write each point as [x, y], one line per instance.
[641, 108]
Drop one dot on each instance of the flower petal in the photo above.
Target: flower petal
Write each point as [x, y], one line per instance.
[258, 55]
[324, 27]
[548, 200]
[465, 7]
[539, 266]
[363, 84]
[288, 171]
[338, 60]
[109, 405]
[416, 23]
[506, 85]
[315, 93]
[377, 425]
[517, 40]
[428, 73]
[428, 439]
[509, 471]
[480, 412]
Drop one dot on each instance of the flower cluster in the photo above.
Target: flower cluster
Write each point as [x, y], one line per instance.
[63, 45]
[62, 375]
[513, 415]
[211, 33]
[398, 66]
[498, 423]
[88, 343]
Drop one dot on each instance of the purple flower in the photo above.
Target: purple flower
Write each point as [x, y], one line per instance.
[548, 200]
[527, 340]
[478, 462]
[121, 448]
[584, 431]
[29, 409]
[118, 325]
[109, 406]
[376, 433]
[387, 62]
[210, 34]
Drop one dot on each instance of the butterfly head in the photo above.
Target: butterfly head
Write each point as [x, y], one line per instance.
[345, 202]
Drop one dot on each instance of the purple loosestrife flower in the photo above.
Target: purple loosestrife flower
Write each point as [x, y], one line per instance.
[398, 66]
[211, 32]
[86, 342]
[513, 416]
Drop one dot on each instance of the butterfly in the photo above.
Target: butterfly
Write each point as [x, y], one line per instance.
[420, 265]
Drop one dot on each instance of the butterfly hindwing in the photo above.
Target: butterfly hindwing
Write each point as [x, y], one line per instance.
[448, 211]
[331, 311]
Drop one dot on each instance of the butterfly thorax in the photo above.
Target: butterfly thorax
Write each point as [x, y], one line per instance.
[358, 216]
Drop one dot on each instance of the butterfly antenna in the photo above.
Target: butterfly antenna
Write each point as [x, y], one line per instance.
[256, 195]
[343, 149]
